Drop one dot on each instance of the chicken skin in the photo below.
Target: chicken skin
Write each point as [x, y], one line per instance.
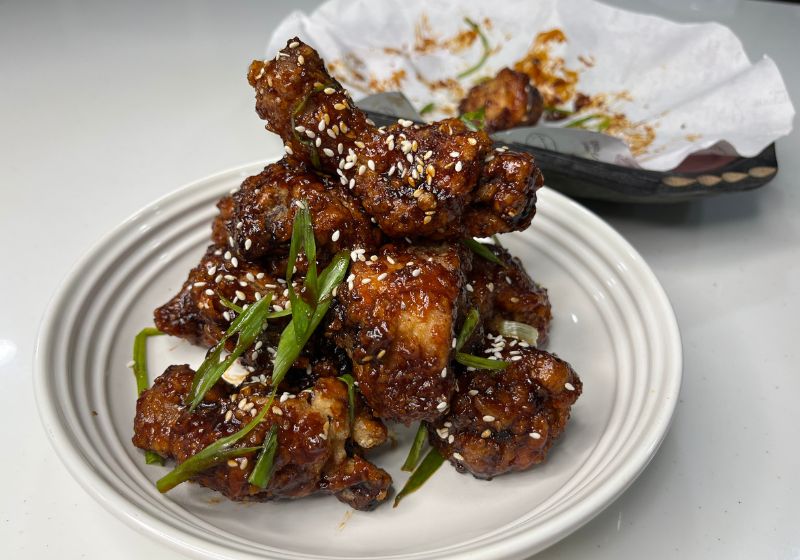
[507, 293]
[504, 421]
[313, 429]
[435, 182]
[258, 219]
[509, 100]
[396, 317]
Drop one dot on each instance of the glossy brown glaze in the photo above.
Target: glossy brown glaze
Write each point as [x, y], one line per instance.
[262, 212]
[415, 181]
[313, 429]
[504, 421]
[509, 100]
[507, 292]
[395, 317]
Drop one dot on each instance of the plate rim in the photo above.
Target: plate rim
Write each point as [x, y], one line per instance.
[147, 523]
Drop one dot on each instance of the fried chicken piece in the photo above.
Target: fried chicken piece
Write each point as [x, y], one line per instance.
[419, 182]
[509, 100]
[504, 421]
[262, 211]
[197, 313]
[395, 316]
[313, 428]
[507, 292]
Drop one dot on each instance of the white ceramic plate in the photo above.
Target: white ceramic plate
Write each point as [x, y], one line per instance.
[612, 321]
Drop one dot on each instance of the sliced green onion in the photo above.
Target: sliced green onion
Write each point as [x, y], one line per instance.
[312, 148]
[214, 454]
[142, 378]
[229, 304]
[553, 109]
[474, 120]
[248, 325]
[604, 123]
[482, 251]
[351, 396]
[430, 464]
[470, 322]
[427, 109]
[278, 314]
[521, 331]
[487, 49]
[416, 448]
[478, 362]
[289, 347]
[262, 472]
[496, 240]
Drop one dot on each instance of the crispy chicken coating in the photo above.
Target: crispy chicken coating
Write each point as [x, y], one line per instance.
[509, 100]
[395, 317]
[313, 429]
[428, 182]
[504, 421]
[508, 293]
[261, 213]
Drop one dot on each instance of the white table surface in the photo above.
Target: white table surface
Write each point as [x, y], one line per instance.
[108, 105]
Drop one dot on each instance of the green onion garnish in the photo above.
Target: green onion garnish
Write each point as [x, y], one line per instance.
[262, 472]
[416, 448]
[142, 379]
[427, 109]
[496, 240]
[312, 148]
[474, 120]
[351, 396]
[521, 331]
[430, 464]
[604, 122]
[482, 251]
[229, 304]
[487, 49]
[470, 322]
[478, 362]
[214, 454]
[289, 346]
[248, 326]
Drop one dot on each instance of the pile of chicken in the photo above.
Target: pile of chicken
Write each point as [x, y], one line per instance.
[401, 199]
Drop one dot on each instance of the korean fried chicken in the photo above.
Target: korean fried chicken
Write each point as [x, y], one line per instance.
[415, 181]
[507, 293]
[508, 99]
[258, 218]
[313, 429]
[395, 317]
[504, 421]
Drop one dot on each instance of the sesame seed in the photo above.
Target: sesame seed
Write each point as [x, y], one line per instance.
[232, 463]
[362, 169]
[458, 457]
[382, 276]
[328, 152]
[248, 406]
[454, 154]
[371, 165]
[212, 270]
[488, 418]
[569, 386]
[444, 373]
[442, 432]
[247, 244]
[340, 148]
[390, 260]
[472, 392]
[235, 262]
[335, 236]
[277, 411]
[426, 220]
[294, 44]
[416, 272]
[199, 284]
[516, 358]
[209, 292]
[360, 144]
[228, 416]
[321, 125]
[381, 354]
[458, 166]
[441, 406]
[130, 364]
[339, 106]
[241, 404]
[470, 288]
[277, 307]
[332, 133]
[288, 149]
[472, 141]
[404, 123]
[329, 90]
[535, 435]
[227, 315]
[366, 280]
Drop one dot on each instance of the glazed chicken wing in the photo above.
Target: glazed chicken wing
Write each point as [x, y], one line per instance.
[504, 421]
[313, 428]
[429, 182]
[509, 100]
[396, 318]
[507, 292]
[258, 219]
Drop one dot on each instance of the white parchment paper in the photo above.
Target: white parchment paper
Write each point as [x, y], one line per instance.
[691, 84]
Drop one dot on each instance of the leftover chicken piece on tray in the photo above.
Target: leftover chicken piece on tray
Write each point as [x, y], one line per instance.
[344, 287]
[508, 100]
